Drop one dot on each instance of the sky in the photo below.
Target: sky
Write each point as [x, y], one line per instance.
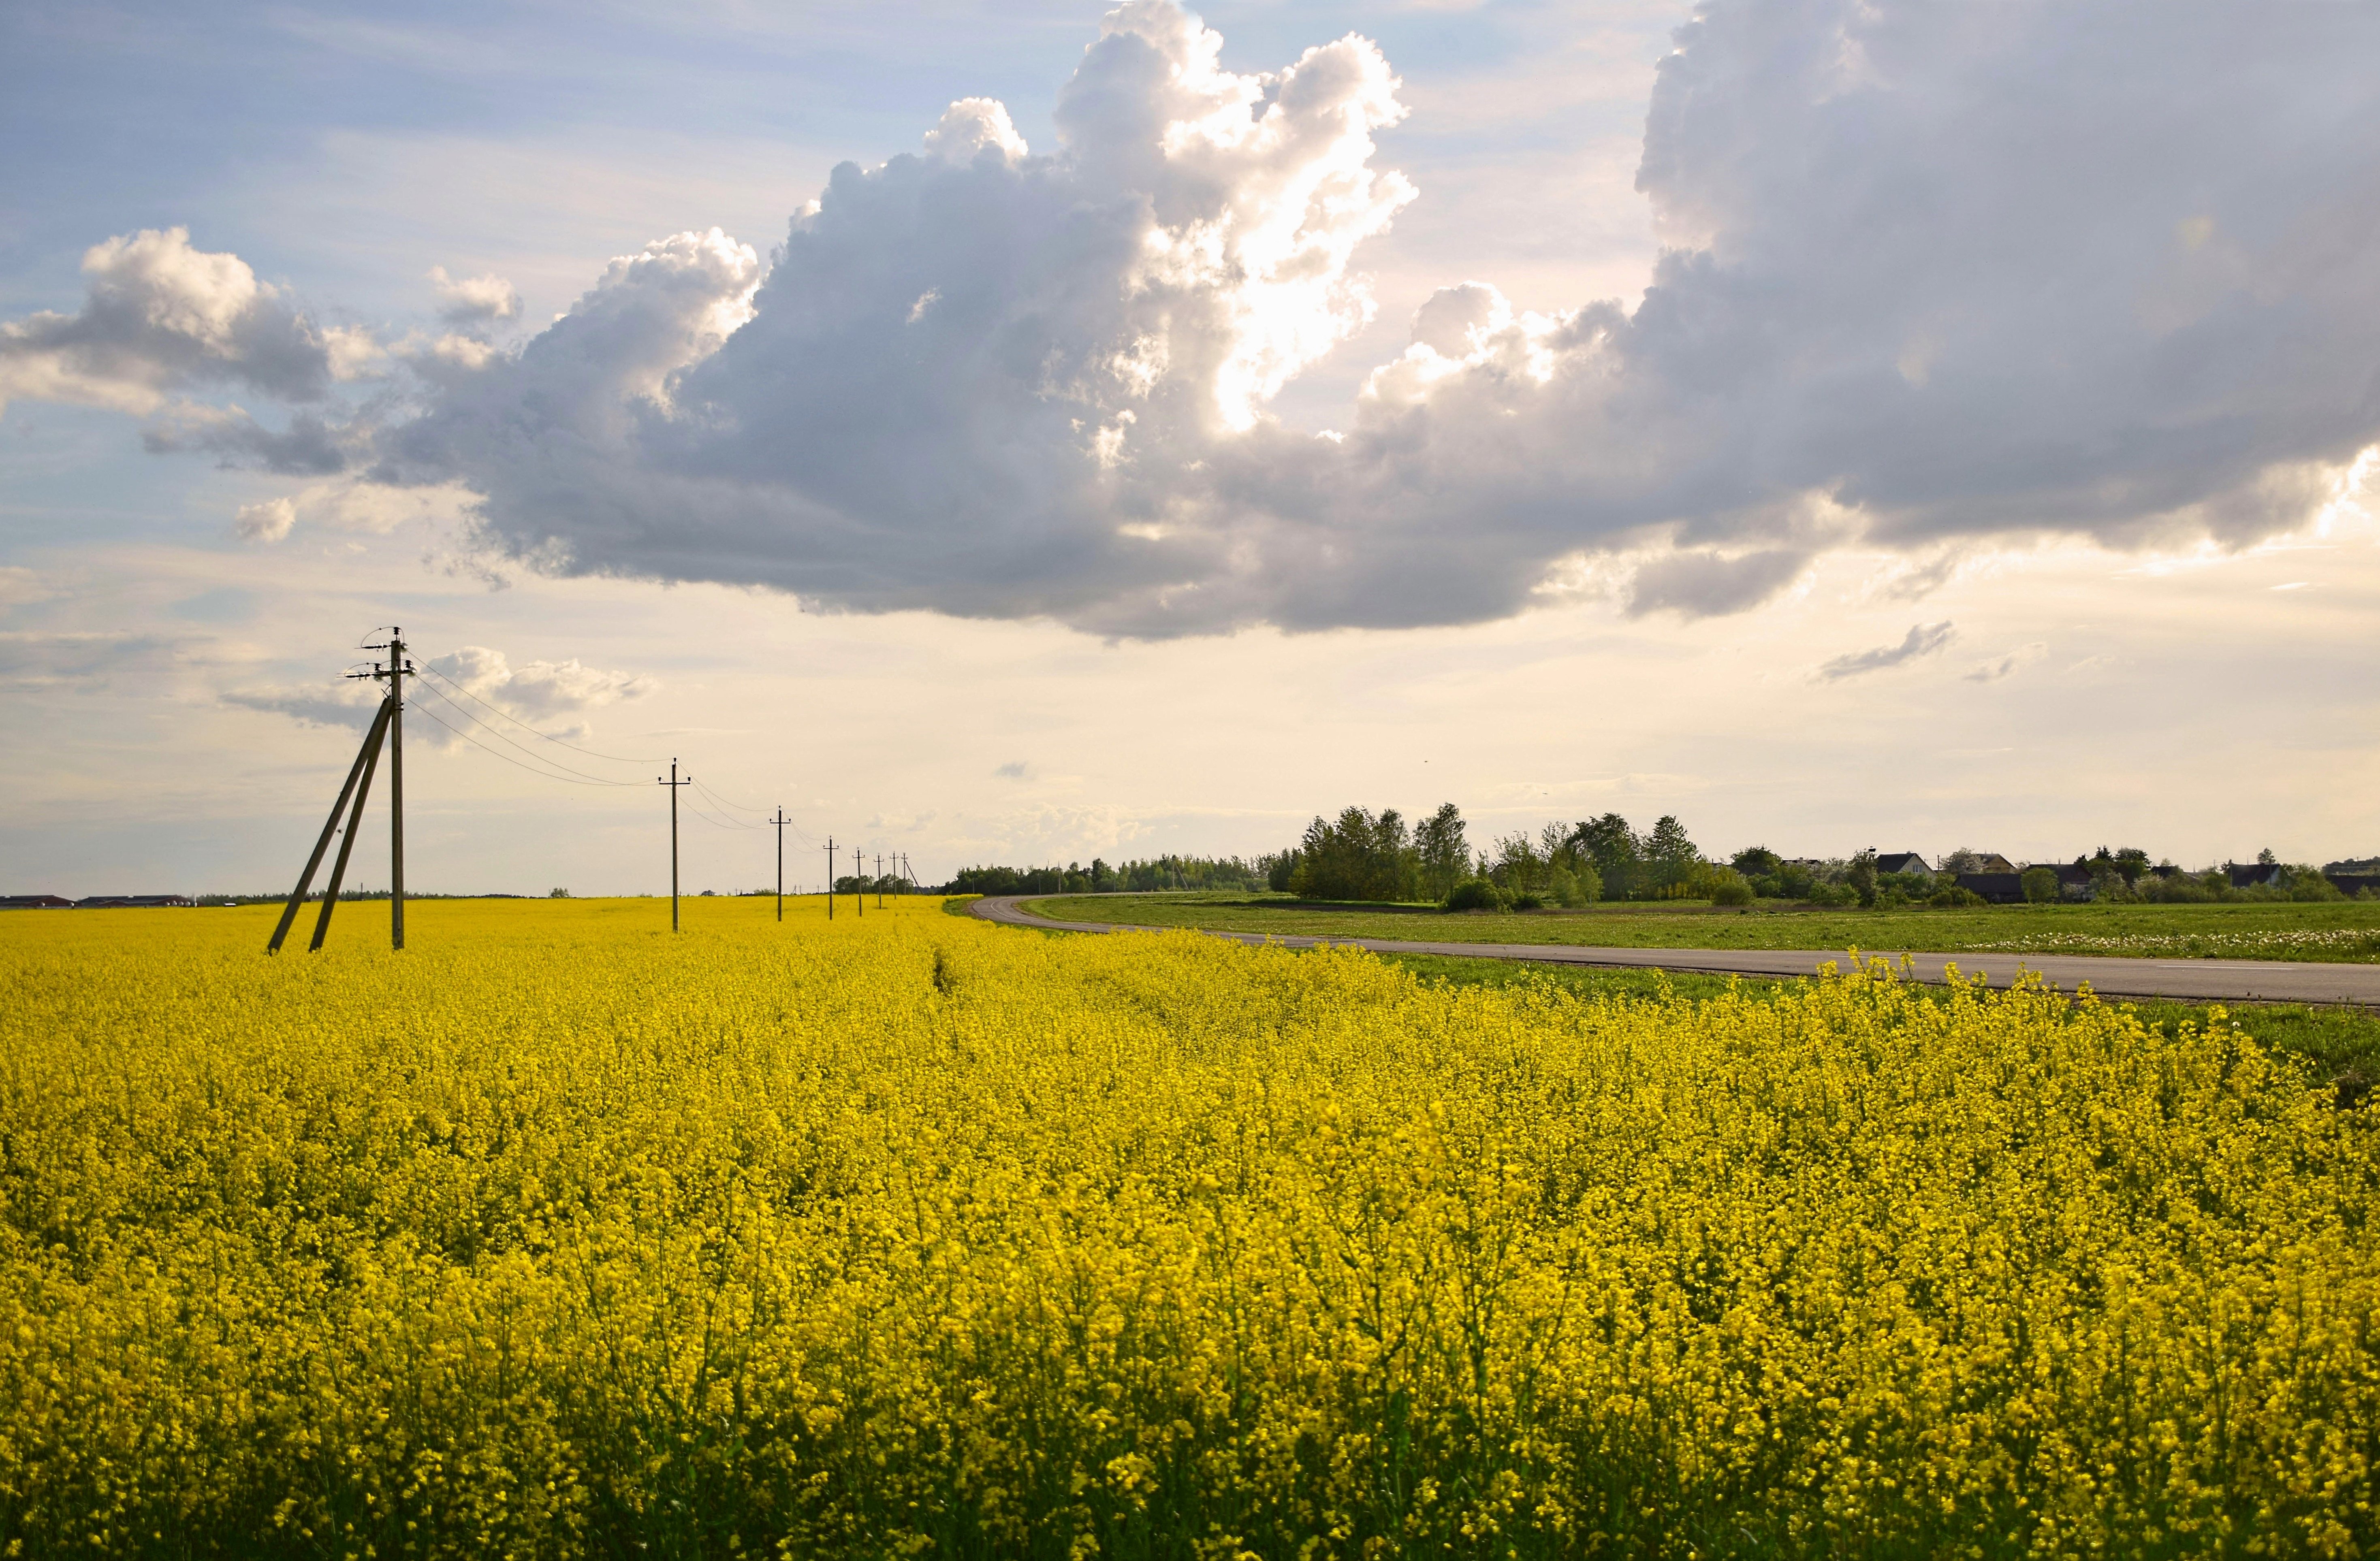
[1045, 432]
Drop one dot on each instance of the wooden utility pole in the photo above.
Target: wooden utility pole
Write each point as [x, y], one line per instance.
[672, 783]
[397, 671]
[829, 877]
[780, 822]
[879, 880]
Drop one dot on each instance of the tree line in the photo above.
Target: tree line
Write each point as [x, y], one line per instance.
[1155, 873]
[1377, 857]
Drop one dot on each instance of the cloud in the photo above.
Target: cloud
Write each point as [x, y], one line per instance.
[1923, 639]
[1937, 276]
[33, 661]
[369, 507]
[342, 705]
[307, 447]
[19, 587]
[1014, 769]
[2000, 667]
[1700, 584]
[473, 300]
[993, 383]
[160, 315]
[536, 691]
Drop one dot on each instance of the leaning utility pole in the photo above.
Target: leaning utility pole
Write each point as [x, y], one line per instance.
[366, 758]
[780, 822]
[673, 784]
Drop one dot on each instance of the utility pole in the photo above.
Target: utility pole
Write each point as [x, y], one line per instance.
[829, 877]
[780, 822]
[879, 880]
[398, 670]
[673, 784]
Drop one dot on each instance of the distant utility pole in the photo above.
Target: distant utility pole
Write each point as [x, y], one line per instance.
[859, 883]
[780, 822]
[829, 877]
[879, 880]
[673, 784]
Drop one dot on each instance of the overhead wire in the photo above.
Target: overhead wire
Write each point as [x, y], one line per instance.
[614, 758]
[591, 780]
[729, 801]
[547, 774]
[727, 805]
[714, 821]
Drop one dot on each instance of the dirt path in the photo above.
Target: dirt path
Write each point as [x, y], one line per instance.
[2265, 981]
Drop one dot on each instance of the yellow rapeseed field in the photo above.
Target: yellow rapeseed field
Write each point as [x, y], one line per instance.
[913, 1236]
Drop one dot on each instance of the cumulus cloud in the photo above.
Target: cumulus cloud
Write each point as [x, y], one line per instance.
[1923, 639]
[536, 691]
[464, 684]
[1942, 272]
[1704, 584]
[307, 447]
[473, 300]
[160, 315]
[373, 508]
[1939, 275]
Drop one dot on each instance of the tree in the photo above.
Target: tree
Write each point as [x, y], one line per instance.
[1670, 856]
[2131, 861]
[1861, 877]
[1362, 856]
[1966, 859]
[1441, 854]
[1756, 861]
[2040, 885]
[1610, 846]
[1518, 867]
[2265, 858]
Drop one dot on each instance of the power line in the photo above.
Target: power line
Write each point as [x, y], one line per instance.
[557, 764]
[728, 806]
[716, 822]
[543, 774]
[525, 726]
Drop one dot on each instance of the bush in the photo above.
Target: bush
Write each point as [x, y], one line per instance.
[1954, 898]
[2040, 886]
[1477, 894]
[1526, 900]
[1833, 894]
[1731, 891]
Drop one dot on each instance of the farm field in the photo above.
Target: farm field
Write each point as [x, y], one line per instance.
[2336, 932]
[914, 1235]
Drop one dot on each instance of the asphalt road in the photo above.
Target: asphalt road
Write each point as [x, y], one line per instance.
[2263, 981]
